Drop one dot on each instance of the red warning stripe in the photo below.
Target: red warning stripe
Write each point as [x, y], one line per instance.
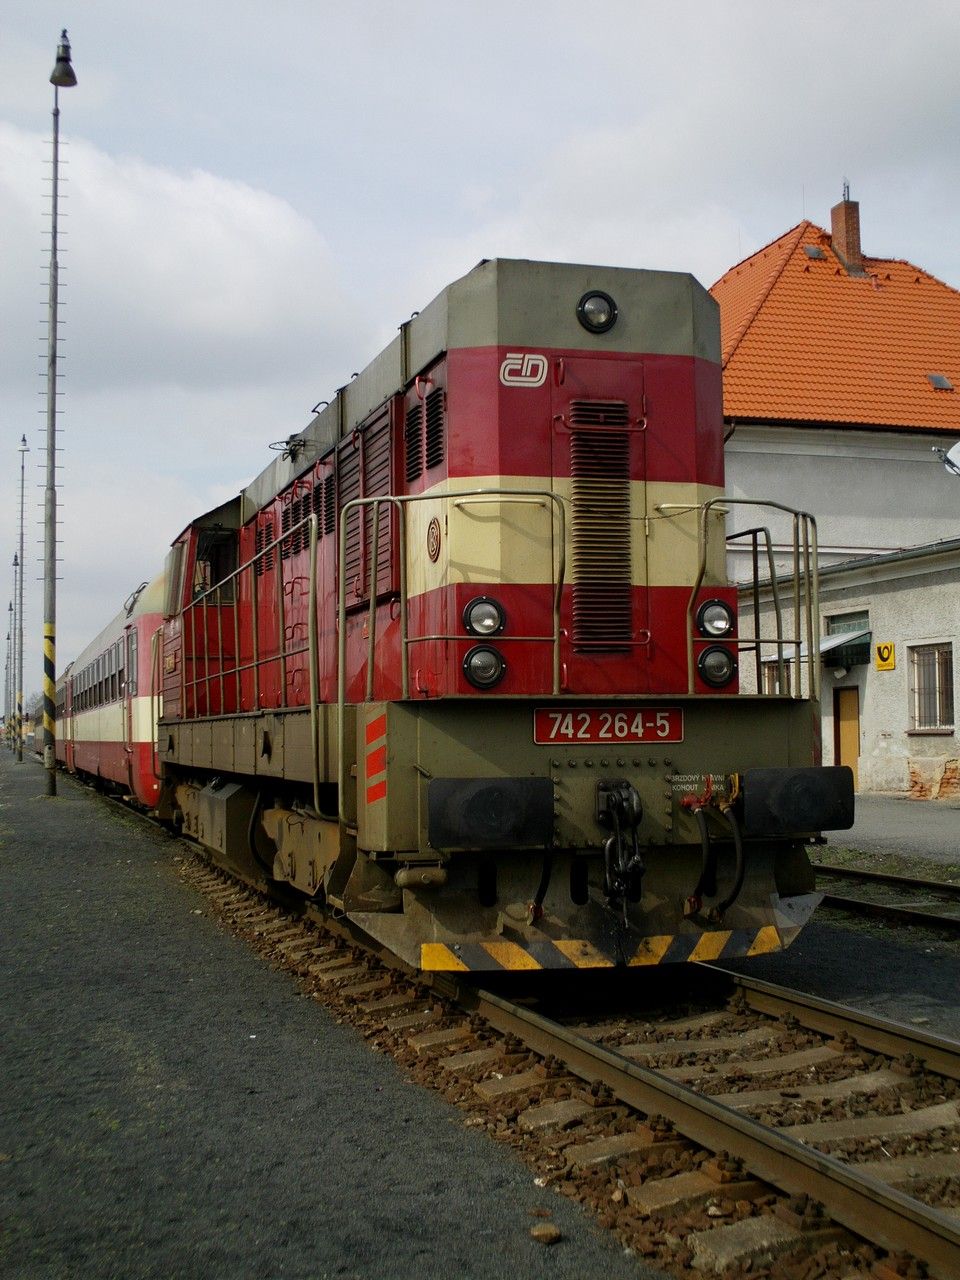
[377, 729]
[376, 791]
[376, 760]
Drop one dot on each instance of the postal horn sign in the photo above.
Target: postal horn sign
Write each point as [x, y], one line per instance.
[885, 656]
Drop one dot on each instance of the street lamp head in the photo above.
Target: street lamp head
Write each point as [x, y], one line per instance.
[63, 74]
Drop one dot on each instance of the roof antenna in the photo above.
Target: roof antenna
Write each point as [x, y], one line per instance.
[846, 189]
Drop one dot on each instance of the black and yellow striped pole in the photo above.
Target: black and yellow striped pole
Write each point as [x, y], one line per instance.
[24, 450]
[62, 77]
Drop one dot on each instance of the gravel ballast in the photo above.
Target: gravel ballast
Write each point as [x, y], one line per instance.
[171, 1107]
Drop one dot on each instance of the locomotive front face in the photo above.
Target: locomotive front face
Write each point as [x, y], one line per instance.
[565, 783]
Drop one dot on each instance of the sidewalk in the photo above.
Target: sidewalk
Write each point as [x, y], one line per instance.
[927, 829]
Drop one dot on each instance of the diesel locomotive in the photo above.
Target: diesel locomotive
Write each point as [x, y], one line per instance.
[464, 664]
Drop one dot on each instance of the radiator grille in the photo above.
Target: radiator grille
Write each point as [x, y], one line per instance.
[600, 473]
[436, 403]
[599, 413]
[413, 442]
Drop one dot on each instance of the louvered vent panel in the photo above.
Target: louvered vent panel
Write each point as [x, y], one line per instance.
[376, 481]
[316, 507]
[600, 473]
[348, 465]
[599, 413]
[263, 538]
[286, 521]
[413, 442]
[436, 406]
[330, 503]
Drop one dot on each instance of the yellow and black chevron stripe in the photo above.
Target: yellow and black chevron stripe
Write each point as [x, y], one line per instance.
[548, 953]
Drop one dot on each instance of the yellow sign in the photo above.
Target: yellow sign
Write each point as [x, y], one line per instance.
[885, 656]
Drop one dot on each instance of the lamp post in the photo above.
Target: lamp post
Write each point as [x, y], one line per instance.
[24, 450]
[62, 77]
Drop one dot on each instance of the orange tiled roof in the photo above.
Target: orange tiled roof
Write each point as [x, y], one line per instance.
[804, 341]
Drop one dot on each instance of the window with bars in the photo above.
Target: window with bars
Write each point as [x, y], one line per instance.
[931, 686]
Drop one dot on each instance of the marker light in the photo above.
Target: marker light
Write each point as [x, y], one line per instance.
[715, 619]
[484, 666]
[597, 311]
[717, 666]
[484, 616]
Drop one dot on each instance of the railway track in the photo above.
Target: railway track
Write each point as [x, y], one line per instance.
[900, 899]
[746, 1130]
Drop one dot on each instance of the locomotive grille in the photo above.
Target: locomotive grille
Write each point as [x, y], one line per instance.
[600, 528]
[413, 442]
[436, 404]
[364, 471]
[263, 538]
[599, 413]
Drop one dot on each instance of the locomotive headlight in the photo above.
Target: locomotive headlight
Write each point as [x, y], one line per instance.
[717, 666]
[484, 616]
[484, 666]
[597, 311]
[715, 619]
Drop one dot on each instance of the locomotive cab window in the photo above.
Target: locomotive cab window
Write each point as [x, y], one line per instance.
[216, 560]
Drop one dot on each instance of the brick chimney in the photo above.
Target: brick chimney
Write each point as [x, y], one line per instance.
[845, 233]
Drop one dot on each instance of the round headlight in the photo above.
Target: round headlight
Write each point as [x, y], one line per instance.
[716, 666]
[714, 618]
[597, 311]
[484, 666]
[484, 617]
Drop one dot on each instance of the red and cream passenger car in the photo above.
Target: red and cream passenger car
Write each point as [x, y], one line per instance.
[108, 700]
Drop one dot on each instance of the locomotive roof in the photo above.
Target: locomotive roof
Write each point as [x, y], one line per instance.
[505, 302]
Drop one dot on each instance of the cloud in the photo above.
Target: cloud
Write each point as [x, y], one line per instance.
[202, 318]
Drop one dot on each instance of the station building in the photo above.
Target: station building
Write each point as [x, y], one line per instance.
[841, 391]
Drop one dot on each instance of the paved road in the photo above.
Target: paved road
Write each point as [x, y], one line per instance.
[170, 1108]
[916, 828]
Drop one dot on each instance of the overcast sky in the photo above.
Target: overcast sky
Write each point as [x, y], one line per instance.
[257, 194]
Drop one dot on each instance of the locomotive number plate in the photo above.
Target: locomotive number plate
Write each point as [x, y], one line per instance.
[607, 724]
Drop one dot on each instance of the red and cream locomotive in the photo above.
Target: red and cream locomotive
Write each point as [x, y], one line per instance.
[463, 664]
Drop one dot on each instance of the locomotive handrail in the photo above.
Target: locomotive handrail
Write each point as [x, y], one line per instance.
[804, 575]
[544, 498]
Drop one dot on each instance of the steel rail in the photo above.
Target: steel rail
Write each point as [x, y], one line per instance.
[887, 877]
[881, 1035]
[866, 1206]
[890, 911]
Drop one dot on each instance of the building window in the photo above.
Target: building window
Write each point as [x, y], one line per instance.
[931, 686]
[840, 622]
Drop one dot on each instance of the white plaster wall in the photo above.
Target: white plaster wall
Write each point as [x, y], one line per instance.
[869, 491]
[912, 608]
[909, 602]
